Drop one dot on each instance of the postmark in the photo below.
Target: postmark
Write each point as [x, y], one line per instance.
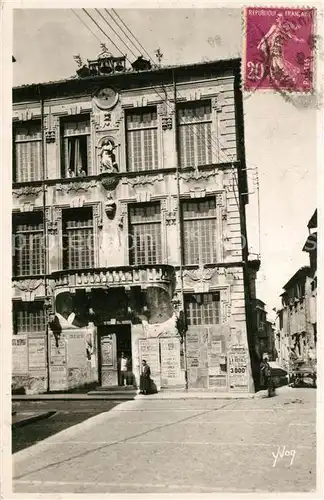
[279, 49]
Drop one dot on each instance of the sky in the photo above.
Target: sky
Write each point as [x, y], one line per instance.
[280, 136]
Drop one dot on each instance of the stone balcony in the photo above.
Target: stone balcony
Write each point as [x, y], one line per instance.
[125, 276]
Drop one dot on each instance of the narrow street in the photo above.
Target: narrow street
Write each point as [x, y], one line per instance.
[180, 446]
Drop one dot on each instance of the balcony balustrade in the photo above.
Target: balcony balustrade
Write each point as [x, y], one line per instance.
[127, 276]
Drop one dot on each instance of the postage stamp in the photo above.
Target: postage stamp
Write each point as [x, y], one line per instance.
[279, 46]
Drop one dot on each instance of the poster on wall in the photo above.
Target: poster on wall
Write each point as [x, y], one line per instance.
[58, 353]
[238, 369]
[149, 349]
[76, 350]
[37, 353]
[19, 354]
[58, 378]
[170, 359]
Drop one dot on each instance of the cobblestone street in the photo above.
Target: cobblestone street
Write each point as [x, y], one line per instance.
[180, 446]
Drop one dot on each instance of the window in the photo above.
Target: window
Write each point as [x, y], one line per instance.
[76, 148]
[78, 241]
[199, 231]
[141, 130]
[27, 159]
[195, 140]
[29, 317]
[28, 244]
[202, 308]
[145, 234]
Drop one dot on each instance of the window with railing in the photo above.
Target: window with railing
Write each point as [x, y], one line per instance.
[27, 149]
[199, 231]
[78, 238]
[142, 142]
[75, 146]
[145, 245]
[202, 308]
[28, 249]
[195, 133]
[28, 317]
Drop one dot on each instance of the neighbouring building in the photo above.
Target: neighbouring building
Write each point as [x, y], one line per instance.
[296, 329]
[264, 338]
[129, 194]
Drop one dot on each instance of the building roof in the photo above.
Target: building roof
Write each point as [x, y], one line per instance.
[312, 224]
[298, 276]
[151, 76]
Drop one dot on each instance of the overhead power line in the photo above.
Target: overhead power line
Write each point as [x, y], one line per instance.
[128, 48]
[81, 20]
[102, 31]
[125, 25]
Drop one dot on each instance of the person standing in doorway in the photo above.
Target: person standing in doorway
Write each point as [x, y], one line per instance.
[145, 380]
[123, 362]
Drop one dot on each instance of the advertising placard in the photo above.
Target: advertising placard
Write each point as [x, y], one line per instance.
[170, 359]
[19, 354]
[76, 349]
[58, 378]
[238, 369]
[58, 354]
[37, 353]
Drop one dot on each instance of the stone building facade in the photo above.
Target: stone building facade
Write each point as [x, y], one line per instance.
[129, 231]
[296, 331]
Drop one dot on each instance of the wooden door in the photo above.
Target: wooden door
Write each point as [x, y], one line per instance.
[108, 360]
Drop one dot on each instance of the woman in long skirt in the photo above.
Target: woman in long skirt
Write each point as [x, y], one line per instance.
[145, 380]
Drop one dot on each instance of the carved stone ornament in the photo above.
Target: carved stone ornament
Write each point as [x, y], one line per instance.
[218, 102]
[171, 218]
[106, 120]
[52, 216]
[110, 207]
[200, 274]
[109, 181]
[142, 180]
[28, 285]
[197, 175]
[50, 136]
[31, 191]
[76, 186]
[167, 122]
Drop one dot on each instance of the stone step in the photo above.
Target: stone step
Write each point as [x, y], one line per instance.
[115, 388]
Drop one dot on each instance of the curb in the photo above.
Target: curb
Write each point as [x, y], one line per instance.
[32, 419]
[70, 397]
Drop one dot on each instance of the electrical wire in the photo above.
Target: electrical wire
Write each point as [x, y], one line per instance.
[122, 30]
[120, 38]
[139, 43]
[80, 19]
[93, 20]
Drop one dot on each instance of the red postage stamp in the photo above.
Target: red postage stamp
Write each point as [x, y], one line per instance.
[279, 49]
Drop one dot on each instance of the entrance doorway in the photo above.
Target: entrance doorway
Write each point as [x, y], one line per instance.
[113, 340]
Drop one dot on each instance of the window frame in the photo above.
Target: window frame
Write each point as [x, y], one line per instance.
[189, 311]
[26, 218]
[154, 148]
[81, 117]
[132, 249]
[33, 140]
[28, 307]
[66, 231]
[183, 148]
[185, 219]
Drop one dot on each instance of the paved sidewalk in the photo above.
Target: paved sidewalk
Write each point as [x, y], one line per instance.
[180, 446]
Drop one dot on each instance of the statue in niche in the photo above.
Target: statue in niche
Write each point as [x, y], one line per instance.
[108, 162]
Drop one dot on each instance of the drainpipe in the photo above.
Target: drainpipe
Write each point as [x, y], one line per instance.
[180, 252]
[46, 305]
